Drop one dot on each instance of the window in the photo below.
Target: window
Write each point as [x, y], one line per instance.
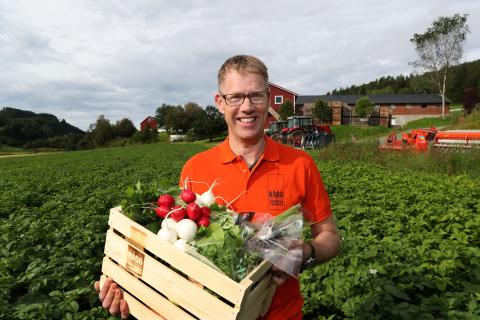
[424, 105]
[409, 106]
[278, 99]
[392, 106]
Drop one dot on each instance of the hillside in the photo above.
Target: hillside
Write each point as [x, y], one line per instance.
[471, 121]
[462, 76]
[20, 128]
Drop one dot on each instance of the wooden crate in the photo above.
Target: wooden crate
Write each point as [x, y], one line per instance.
[162, 282]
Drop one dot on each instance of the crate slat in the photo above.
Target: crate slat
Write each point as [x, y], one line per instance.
[142, 292]
[168, 282]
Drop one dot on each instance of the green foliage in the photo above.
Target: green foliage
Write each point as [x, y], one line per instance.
[208, 124]
[363, 107]
[20, 128]
[286, 110]
[410, 246]
[462, 76]
[145, 136]
[344, 133]
[410, 232]
[53, 223]
[439, 48]
[470, 98]
[471, 121]
[321, 111]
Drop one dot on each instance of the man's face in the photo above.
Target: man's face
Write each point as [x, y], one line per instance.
[245, 122]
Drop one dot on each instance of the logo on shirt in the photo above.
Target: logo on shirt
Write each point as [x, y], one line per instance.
[275, 191]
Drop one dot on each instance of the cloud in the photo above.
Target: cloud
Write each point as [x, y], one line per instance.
[81, 59]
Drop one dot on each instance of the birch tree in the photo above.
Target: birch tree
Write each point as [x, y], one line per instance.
[439, 48]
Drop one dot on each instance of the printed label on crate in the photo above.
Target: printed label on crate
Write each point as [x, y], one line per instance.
[135, 260]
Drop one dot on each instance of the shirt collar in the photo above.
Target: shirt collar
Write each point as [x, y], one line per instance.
[271, 152]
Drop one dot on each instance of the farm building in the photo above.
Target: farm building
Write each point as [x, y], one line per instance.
[278, 95]
[389, 109]
[148, 123]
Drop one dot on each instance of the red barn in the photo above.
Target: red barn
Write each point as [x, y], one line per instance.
[148, 123]
[278, 95]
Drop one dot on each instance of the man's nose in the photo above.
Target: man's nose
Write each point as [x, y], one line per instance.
[247, 105]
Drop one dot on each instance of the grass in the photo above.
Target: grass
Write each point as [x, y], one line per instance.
[472, 121]
[344, 133]
[434, 122]
[438, 161]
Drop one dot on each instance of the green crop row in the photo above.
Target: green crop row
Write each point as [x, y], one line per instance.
[410, 239]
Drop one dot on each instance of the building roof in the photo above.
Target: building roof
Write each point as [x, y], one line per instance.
[281, 88]
[376, 98]
[147, 119]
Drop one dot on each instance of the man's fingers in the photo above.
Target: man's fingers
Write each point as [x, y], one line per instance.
[124, 310]
[115, 306]
[96, 285]
[104, 289]
[107, 301]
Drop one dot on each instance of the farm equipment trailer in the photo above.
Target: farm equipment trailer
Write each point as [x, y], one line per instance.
[423, 139]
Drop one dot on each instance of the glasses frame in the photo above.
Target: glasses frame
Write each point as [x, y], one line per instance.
[224, 96]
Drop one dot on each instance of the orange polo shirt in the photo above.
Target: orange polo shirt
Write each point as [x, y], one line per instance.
[281, 178]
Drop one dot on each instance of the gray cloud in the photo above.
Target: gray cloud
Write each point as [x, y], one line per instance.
[78, 60]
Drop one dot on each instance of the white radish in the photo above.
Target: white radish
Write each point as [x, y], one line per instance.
[181, 244]
[167, 234]
[186, 229]
[169, 223]
[205, 199]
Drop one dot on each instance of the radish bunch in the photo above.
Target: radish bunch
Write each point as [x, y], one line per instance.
[181, 221]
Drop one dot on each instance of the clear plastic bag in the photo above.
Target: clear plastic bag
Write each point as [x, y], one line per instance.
[278, 239]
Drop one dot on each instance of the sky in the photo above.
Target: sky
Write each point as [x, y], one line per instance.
[124, 58]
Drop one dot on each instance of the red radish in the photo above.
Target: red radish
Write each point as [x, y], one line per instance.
[203, 221]
[206, 212]
[178, 213]
[194, 212]
[166, 200]
[188, 195]
[162, 211]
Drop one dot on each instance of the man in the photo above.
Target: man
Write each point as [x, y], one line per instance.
[255, 174]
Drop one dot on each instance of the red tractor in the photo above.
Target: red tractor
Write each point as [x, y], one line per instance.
[302, 132]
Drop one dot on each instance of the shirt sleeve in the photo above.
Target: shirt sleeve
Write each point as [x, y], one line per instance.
[317, 203]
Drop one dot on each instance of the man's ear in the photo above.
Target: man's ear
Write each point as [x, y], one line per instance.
[220, 103]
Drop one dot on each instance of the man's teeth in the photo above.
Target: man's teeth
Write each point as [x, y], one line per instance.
[246, 119]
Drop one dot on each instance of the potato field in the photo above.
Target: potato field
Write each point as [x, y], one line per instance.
[410, 249]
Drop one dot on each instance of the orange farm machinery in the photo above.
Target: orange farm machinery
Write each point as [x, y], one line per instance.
[422, 139]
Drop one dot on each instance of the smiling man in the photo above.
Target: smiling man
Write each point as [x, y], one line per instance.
[255, 174]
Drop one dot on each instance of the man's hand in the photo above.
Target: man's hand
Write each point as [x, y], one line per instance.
[111, 297]
[279, 276]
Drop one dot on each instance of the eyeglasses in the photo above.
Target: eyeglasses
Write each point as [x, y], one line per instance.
[237, 99]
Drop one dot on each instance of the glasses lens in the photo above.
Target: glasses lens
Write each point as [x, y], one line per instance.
[234, 99]
[258, 97]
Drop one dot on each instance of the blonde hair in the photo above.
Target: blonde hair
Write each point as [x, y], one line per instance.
[243, 64]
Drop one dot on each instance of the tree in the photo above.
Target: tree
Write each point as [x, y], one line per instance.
[439, 48]
[124, 128]
[321, 111]
[209, 124]
[286, 110]
[363, 107]
[101, 131]
[470, 99]
[161, 113]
